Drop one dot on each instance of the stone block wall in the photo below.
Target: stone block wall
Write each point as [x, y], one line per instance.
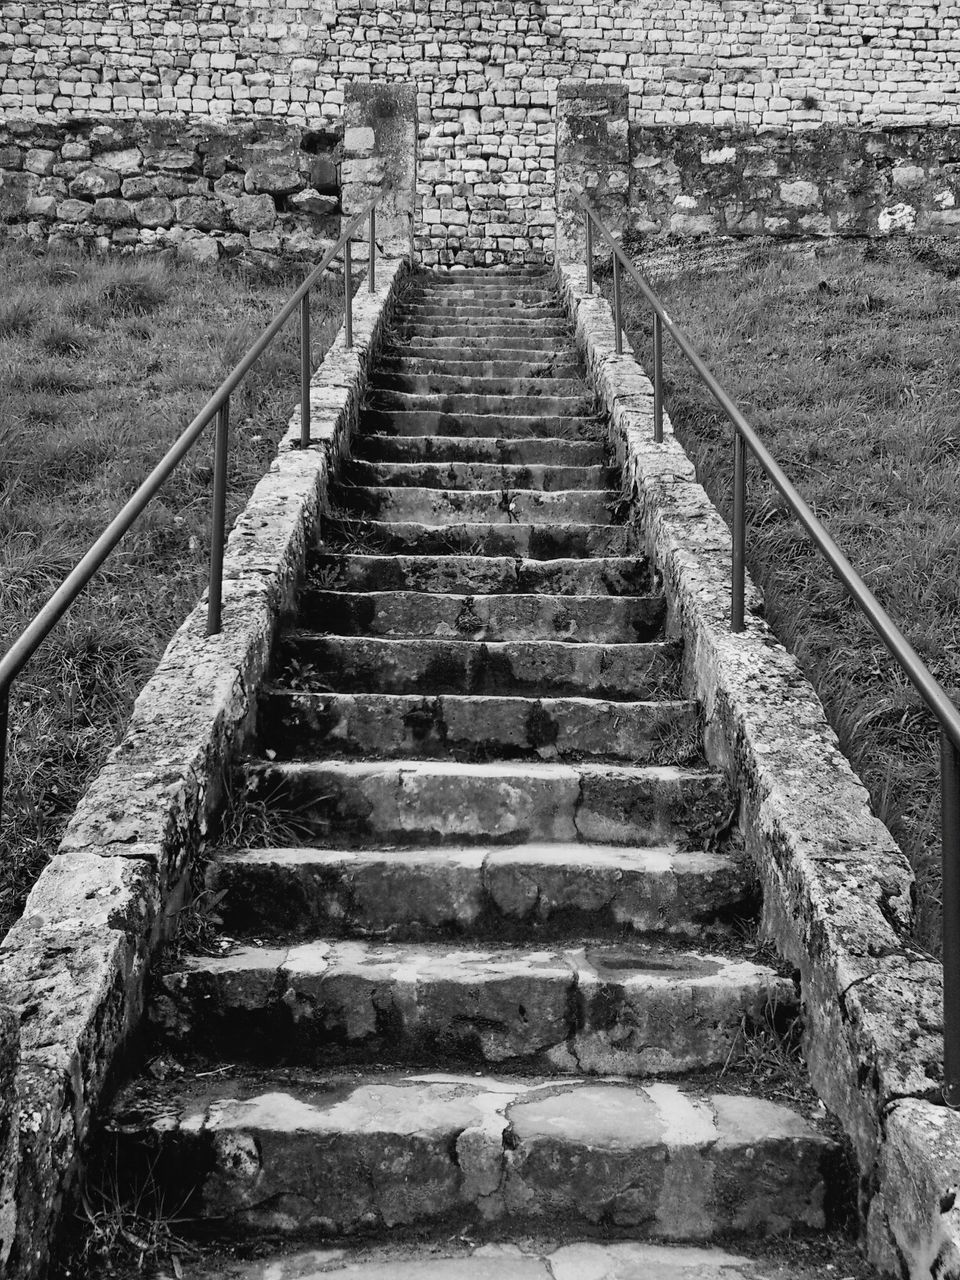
[696, 180]
[486, 75]
[201, 188]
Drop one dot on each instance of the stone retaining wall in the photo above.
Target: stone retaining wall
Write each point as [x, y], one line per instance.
[692, 180]
[72, 969]
[486, 74]
[244, 187]
[837, 891]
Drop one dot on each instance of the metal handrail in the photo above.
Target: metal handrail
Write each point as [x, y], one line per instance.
[910, 662]
[218, 406]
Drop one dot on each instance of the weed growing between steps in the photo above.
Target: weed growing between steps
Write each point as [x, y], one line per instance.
[103, 362]
[845, 360]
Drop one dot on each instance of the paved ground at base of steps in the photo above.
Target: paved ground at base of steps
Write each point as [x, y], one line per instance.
[537, 1260]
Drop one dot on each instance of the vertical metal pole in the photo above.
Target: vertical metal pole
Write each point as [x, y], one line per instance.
[616, 305]
[305, 370]
[589, 228]
[950, 837]
[657, 379]
[215, 593]
[348, 292]
[4, 720]
[739, 531]
[372, 265]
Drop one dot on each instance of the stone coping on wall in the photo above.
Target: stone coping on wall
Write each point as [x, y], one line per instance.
[838, 891]
[73, 967]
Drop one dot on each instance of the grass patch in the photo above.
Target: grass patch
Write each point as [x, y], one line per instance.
[845, 360]
[103, 362]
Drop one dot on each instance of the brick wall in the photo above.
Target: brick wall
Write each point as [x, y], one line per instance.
[486, 74]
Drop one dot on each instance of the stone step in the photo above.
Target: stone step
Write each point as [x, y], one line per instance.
[625, 1008]
[440, 351]
[533, 541]
[442, 384]
[541, 1260]
[395, 726]
[479, 475]
[361, 804]
[522, 293]
[476, 506]
[489, 275]
[481, 575]
[489, 450]
[531, 891]
[507, 426]
[489, 331]
[577, 404]
[494, 310]
[490, 368]
[601, 619]
[254, 1154]
[512, 668]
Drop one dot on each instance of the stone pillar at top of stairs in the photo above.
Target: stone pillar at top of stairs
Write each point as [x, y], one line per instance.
[593, 156]
[380, 158]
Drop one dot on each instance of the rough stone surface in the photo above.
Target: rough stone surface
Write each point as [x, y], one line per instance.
[650, 1160]
[837, 890]
[487, 76]
[545, 889]
[593, 157]
[628, 1009]
[73, 967]
[582, 1260]
[9, 1130]
[229, 180]
[380, 159]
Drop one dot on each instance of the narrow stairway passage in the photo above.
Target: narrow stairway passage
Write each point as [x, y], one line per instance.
[486, 966]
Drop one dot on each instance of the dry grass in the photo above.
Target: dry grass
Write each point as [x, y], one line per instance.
[848, 363]
[102, 364]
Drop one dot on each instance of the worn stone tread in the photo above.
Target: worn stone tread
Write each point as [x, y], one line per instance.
[521, 541]
[453, 506]
[576, 404]
[485, 422]
[481, 475]
[535, 1260]
[485, 450]
[610, 575]
[644, 1160]
[488, 891]
[492, 330]
[440, 353]
[622, 672]
[407, 365]
[363, 803]
[625, 1008]
[514, 616]
[296, 725]
[440, 383]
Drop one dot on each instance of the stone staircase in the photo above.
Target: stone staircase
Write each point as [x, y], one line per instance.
[482, 972]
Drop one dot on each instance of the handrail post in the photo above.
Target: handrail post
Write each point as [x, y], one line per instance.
[617, 319]
[4, 721]
[657, 379]
[737, 585]
[215, 592]
[305, 370]
[589, 229]
[372, 259]
[950, 852]
[348, 293]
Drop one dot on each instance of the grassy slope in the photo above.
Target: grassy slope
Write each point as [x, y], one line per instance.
[102, 364]
[849, 365]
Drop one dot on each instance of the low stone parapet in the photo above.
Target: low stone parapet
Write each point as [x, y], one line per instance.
[73, 968]
[838, 892]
